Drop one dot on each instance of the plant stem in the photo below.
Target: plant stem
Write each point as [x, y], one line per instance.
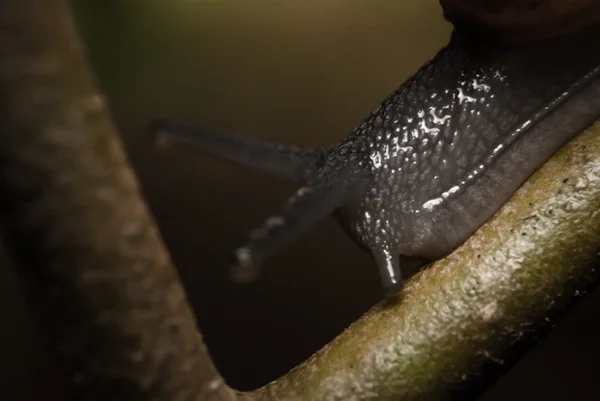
[80, 235]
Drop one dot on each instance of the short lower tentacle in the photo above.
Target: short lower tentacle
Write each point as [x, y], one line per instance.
[328, 190]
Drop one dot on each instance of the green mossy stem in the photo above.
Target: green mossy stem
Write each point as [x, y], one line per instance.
[460, 322]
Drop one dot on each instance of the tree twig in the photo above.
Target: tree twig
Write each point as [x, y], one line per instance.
[79, 233]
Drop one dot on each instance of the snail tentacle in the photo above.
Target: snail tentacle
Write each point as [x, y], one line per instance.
[287, 162]
[326, 191]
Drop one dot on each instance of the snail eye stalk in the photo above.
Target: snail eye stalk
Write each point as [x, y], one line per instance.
[287, 162]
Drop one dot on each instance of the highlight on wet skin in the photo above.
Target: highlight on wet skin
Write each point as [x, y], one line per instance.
[432, 163]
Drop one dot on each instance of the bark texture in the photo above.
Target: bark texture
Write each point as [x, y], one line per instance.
[78, 229]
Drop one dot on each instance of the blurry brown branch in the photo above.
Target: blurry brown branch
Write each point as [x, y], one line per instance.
[113, 309]
[79, 232]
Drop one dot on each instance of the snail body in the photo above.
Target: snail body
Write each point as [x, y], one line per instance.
[435, 160]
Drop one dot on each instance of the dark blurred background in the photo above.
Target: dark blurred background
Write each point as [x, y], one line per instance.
[298, 72]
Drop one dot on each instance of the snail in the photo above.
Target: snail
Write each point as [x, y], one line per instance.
[440, 155]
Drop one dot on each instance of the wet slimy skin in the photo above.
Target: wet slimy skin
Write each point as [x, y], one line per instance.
[434, 161]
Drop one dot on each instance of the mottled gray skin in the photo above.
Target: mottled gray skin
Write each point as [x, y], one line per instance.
[435, 160]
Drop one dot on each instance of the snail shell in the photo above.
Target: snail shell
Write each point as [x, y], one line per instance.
[521, 21]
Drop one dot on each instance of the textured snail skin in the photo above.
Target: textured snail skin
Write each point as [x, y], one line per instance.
[434, 161]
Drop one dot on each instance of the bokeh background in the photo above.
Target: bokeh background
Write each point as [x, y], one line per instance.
[301, 72]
